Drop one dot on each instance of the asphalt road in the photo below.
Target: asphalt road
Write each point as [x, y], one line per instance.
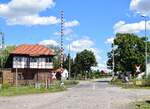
[86, 95]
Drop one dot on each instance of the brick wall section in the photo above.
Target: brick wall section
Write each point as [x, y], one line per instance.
[7, 76]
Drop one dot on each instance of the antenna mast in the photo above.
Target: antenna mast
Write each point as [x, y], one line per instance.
[2, 45]
[62, 35]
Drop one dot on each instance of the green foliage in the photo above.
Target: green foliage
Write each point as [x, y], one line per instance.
[13, 91]
[146, 82]
[4, 54]
[86, 60]
[83, 62]
[66, 64]
[70, 82]
[129, 50]
[135, 84]
[8, 90]
[57, 56]
[117, 82]
[6, 86]
[143, 105]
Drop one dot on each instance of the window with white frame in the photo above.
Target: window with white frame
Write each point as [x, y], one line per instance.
[33, 59]
[48, 60]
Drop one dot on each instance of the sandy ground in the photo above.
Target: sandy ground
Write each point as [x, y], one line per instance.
[86, 95]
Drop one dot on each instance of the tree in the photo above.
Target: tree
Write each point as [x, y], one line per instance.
[66, 64]
[56, 59]
[76, 67]
[4, 54]
[84, 61]
[129, 51]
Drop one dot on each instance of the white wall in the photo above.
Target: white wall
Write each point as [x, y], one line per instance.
[21, 62]
[148, 68]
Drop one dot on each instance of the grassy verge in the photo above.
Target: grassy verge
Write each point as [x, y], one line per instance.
[70, 83]
[143, 105]
[132, 84]
[12, 91]
[23, 90]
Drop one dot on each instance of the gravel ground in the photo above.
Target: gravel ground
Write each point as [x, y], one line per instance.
[86, 95]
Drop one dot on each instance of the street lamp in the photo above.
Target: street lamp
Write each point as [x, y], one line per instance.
[145, 19]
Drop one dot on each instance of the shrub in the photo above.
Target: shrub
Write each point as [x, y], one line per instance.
[116, 81]
[6, 86]
[70, 82]
[146, 81]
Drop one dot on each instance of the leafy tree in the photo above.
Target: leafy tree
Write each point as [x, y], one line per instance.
[4, 54]
[84, 61]
[66, 64]
[76, 67]
[57, 56]
[129, 50]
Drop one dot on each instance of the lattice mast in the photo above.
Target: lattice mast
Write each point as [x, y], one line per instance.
[2, 40]
[62, 35]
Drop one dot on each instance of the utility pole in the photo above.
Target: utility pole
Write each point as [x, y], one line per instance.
[69, 64]
[145, 19]
[113, 61]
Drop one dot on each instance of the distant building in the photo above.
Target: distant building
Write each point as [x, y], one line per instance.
[62, 74]
[32, 63]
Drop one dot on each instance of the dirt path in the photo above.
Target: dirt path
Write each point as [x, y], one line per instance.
[87, 95]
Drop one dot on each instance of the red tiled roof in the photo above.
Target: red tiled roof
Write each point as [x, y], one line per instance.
[33, 50]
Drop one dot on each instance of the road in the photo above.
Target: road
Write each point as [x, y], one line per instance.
[86, 95]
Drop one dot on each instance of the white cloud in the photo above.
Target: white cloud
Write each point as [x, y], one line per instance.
[79, 45]
[123, 27]
[96, 53]
[33, 20]
[72, 23]
[102, 66]
[49, 42]
[26, 12]
[140, 6]
[86, 43]
[67, 32]
[110, 40]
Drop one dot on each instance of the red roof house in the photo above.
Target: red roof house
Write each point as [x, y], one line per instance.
[31, 62]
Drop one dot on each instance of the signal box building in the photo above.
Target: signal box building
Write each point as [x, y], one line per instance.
[30, 64]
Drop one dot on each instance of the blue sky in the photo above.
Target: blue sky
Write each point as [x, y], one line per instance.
[89, 24]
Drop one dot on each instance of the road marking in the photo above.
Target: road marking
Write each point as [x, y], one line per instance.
[94, 86]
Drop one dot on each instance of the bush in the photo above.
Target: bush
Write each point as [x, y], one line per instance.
[146, 81]
[143, 105]
[70, 82]
[6, 86]
[116, 81]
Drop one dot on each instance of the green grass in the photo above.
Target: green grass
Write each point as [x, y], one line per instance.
[8, 90]
[143, 105]
[70, 83]
[132, 84]
[12, 91]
